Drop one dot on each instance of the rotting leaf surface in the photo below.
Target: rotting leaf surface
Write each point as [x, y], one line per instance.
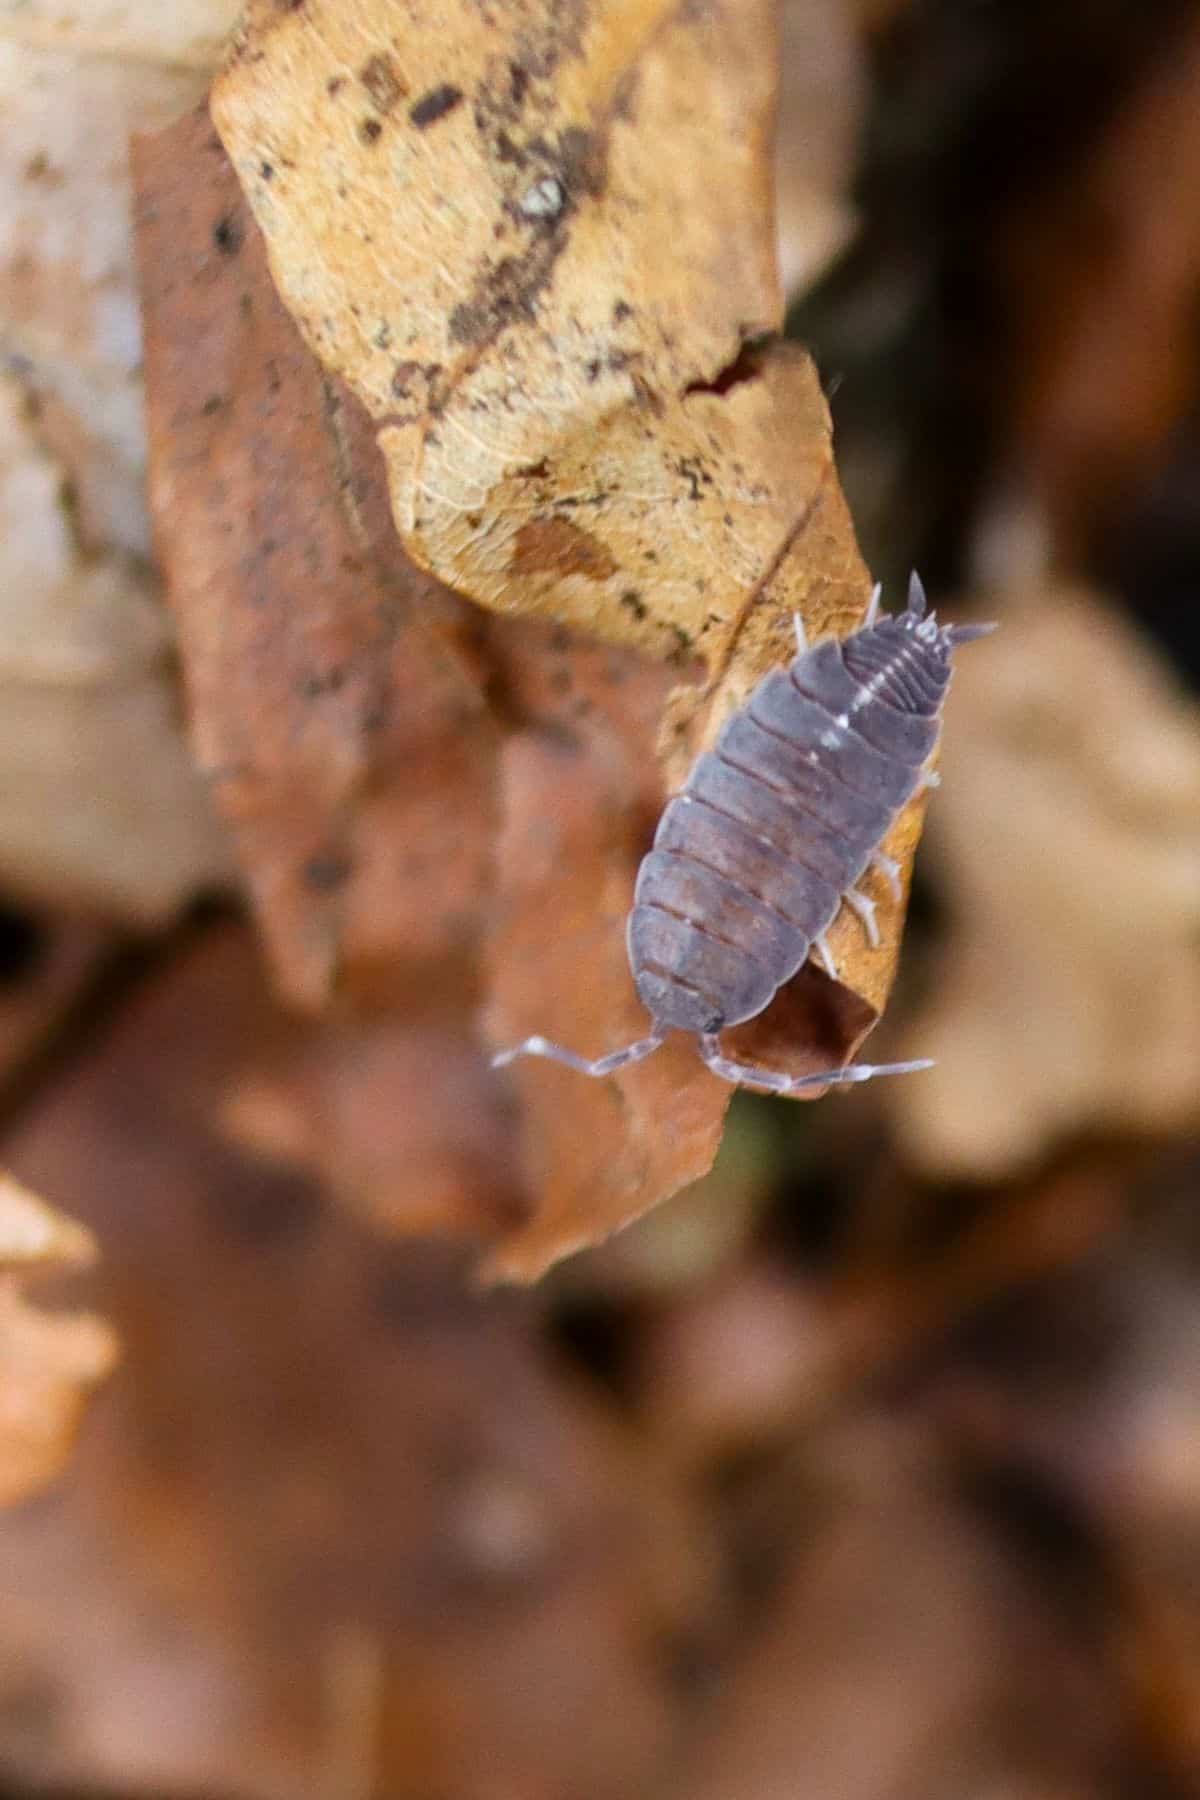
[344, 735]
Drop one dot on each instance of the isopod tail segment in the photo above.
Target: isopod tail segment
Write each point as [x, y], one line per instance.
[771, 1081]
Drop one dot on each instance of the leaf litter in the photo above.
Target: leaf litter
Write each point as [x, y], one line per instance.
[583, 430]
[49, 1361]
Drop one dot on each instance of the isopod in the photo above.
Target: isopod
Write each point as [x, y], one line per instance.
[773, 829]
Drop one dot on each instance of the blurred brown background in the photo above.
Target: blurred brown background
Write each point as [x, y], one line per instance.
[865, 1468]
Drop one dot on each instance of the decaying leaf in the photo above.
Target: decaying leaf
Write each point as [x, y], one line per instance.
[1068, 845]
[351, 714]
[335, 710]
[68, 303]
[400, 1117]
[188, 32]
[99, 803]
[49, 1362]
[321, 1460]
[540, 265]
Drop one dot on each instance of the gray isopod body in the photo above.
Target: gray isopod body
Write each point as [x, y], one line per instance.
[773, 829]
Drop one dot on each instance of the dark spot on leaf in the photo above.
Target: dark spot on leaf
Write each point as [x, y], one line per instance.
[328, 872]
[228, 234]
[334, 85]
[369, 131]
[552, 546]
[634, 602]
[622, 311]
[435, 105]
[329, 681]
[266, 171]
[383, 82]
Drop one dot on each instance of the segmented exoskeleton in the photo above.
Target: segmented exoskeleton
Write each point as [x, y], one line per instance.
[773, 829]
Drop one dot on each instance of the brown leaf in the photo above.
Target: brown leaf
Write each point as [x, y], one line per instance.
[338, 719]
[1100, 276]
[401, 1118]
[572, 424]
[360, 1509]
[1068, 846]
[51, 963]
[49, 1362]
[903, 1654]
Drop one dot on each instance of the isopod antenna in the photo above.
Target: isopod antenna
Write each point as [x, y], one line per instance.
[771, 1081]
[604, 1065]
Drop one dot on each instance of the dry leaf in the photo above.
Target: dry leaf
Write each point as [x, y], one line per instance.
[49, 1362]
[33, 1235]
[399, 1116]
[331, 1477]
[572, 423]
[100, 805]
[567, 424]
[339, 721]
[190, 32]
[68, 306]
[1067, 840]
[371, 850]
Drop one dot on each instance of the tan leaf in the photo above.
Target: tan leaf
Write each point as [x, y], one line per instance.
[49, 1362]
[99, 803]
[68, 305]
[33, 1235]
[190, 32]
[1067, 839]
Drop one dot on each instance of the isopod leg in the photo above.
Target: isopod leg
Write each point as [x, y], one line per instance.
[873, 608]
[865, 909]
[821, 945]
[604, 1065]
[889, 868]
[801, 634]
[774, 1081]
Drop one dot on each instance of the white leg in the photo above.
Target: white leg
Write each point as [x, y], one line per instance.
[873, 608]
[916, 596]
[604, 1065]
[889, 868]
[801, 634]
[865, 909]
[821, 945]
[929, 779]
[774, 1081]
